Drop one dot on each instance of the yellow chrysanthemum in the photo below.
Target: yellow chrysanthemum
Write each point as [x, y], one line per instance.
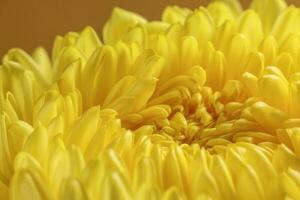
[202, 104]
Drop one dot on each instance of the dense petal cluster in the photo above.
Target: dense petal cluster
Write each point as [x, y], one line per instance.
[203, 104]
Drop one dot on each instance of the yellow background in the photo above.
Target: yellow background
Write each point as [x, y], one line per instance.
[31, 23]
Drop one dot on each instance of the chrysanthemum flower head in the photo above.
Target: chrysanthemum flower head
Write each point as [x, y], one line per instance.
[202, 104]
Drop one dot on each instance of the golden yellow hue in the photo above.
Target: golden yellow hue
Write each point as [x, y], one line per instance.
[203, 104]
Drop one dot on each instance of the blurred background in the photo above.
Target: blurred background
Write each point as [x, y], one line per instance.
[31, 23]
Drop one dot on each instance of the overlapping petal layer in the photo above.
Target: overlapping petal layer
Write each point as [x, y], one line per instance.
[203, 104]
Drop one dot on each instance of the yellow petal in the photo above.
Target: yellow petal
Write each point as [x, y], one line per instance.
[136, 34]
[236, 59]
[3, 191]
[88, 41]
[41, 57]
[72, 189]
[267, 116]
[286, 64]
[27, 62]
[291, 188]
[285, 158]
[28, 185]
[173, 193]
[215, 70]
[84, 129]
[199, 24]
[119, 22]
[275, 7]
[37, 145]
[248, 178]
[115, 187]
[251, 26]
[223, 178]
[273, 89]
[189, 53]
[251, 83]
[255, 64]
[148, 64]
[220, 12]
[286, 24]
[66, 57]
[175, 14]
[269, 48]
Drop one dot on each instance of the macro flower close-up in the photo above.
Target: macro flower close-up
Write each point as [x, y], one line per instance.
[200, 104]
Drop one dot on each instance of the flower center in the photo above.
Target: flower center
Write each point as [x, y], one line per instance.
[205, 118]
[187, 121]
